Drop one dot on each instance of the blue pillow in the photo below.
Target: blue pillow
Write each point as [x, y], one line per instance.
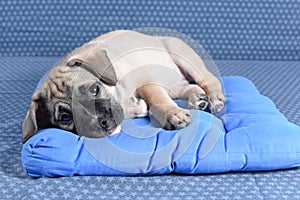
[251, 134]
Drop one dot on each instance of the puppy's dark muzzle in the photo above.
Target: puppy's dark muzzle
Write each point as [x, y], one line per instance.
[107, 120]
[97, 118]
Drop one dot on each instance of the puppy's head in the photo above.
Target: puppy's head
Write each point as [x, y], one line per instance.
[76, 95]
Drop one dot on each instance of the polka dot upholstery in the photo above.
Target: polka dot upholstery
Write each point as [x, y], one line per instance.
[18, 80]
[244, 30]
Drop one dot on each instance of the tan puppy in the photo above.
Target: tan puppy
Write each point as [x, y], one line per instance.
[122, 74]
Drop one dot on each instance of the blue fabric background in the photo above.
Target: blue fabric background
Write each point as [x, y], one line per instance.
[227, 29]
[278, 80]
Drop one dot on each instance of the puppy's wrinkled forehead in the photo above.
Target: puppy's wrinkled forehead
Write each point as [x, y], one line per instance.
[58, 83]
[61, 81]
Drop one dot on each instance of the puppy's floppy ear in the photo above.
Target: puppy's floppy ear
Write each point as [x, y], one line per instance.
[30, 123]
[96, 62]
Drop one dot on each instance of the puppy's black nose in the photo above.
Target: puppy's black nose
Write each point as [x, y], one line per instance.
[103, 123]
[107, 124]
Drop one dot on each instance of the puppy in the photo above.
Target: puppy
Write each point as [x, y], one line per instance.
[118, 75]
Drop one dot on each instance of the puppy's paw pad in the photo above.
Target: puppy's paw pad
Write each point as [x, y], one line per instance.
[198, 102]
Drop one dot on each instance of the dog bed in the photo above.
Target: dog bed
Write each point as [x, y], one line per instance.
[249, 135]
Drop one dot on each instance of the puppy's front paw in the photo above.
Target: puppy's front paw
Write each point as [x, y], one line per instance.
[171, 118]
[177, 118]
[217, 102]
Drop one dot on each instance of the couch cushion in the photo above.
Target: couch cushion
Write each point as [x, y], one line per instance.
[254, 135]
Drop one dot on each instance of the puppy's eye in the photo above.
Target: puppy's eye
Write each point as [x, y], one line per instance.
[94, 89]
[66, 118]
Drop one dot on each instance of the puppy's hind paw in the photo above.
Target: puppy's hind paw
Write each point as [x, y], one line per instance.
[217, 102]
[198, 102]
